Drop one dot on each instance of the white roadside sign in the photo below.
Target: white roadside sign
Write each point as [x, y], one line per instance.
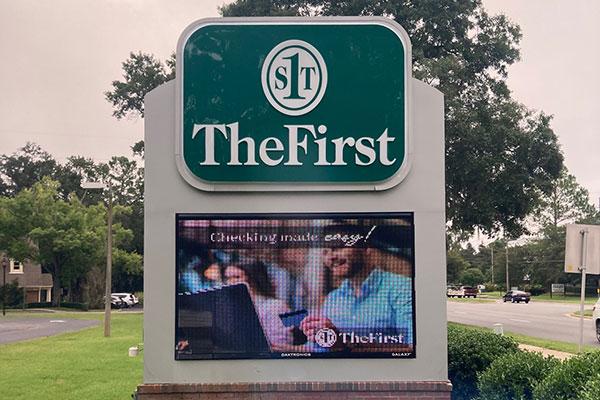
[582, 248]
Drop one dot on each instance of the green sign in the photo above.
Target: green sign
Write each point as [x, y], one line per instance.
[293, 104]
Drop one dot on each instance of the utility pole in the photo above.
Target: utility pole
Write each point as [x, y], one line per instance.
[4, 265]
[109, 240]
[108, 293]
[492, 247]
[507, 279]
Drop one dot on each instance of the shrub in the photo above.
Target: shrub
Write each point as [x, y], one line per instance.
[513, 376]
[534, 290]
[471, 351]
[489, 287]
[140, 296]
[14, 294]
[38, 305]
[77, 306]
[567, 380]
[592, 389]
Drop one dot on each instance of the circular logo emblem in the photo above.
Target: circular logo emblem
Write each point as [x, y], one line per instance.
[325, 337]
[294, 77]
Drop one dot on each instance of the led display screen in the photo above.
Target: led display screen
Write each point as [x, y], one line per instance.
[294, 286]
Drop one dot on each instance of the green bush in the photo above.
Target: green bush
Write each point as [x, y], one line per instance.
[38, 305]
[77, 306]
[14, 294]
[534, 290]
[492, 287]
[513, 376]
[592, 389]
[567, 380]
[471, 351]
[140, 296]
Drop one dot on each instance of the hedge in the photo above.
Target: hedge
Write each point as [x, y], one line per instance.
[514, 376]
[472, 351]
[567, 380]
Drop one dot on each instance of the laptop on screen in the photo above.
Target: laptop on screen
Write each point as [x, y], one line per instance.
[219, 323]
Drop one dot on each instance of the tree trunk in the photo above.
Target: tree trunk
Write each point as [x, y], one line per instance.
[56, 287]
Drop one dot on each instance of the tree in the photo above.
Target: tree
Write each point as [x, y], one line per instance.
[567, 202]
[472, 277]
[500, 157]
[142, 73]
[25, 167]
[31, 163]
[64, 236]
[455, 265]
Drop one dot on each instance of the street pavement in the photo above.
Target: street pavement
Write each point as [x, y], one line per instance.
[17, 329]
[545, 320]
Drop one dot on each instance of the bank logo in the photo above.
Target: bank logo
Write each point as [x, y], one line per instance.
[294, 77]
[325, 337]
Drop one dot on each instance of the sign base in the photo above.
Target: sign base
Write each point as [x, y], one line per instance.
[433, 390]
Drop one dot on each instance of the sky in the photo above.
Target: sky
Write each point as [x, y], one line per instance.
[59, 57]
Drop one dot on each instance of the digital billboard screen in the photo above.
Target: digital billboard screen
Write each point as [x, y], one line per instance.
[294, 286]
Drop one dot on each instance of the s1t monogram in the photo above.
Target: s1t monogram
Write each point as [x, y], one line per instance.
[294, 77]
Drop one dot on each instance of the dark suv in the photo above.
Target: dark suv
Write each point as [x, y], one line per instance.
[516, 296]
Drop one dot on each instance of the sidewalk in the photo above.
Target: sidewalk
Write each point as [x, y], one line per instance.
[561, 355]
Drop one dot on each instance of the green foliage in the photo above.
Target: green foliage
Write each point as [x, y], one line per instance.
[568, 380]
[31, 163]
[38, 305]
[567, 202]
[24, 168]
[535, 290]
[14, 294]
[513, 376]
[455, 266]
[65, 236]
[76, 306]
[141, 73]
[472, 277]
[500, 157]
[127, 271]
[592, 389]
[472, 351]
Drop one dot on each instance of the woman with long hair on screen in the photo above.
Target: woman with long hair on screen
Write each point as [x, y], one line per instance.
[255, 275]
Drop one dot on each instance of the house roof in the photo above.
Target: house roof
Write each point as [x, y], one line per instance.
[32, 276]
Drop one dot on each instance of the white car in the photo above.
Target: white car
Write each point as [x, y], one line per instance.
[127, 299]
[596, 319]
[453, 291]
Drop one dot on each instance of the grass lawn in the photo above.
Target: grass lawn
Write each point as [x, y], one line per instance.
[533, 341]
[492, 295]
[586, 313]
[470, 300]
[79, 365]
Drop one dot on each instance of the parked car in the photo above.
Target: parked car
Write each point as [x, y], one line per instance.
[596, 319]
[454, 291]
[469, 291]
[124, 300]
[516, 296]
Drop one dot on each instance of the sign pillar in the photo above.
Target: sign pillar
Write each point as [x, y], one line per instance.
[295, 238]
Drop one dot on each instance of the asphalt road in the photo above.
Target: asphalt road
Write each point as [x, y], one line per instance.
[538, 319]
[17, 329]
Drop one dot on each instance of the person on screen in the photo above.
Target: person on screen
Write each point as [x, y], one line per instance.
[368, 300]
[198, 270]
[255, 276]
